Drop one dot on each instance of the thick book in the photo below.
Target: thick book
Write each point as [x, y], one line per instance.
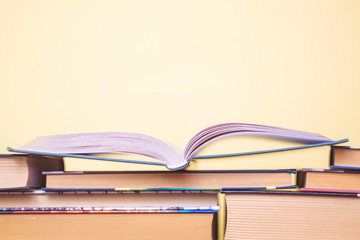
[329, 180]
[201, 152]
[345, 157]
[175, 180]
[21, 172]
[126, 225]
[295, 215]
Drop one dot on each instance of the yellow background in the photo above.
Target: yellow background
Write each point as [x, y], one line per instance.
[171, 68]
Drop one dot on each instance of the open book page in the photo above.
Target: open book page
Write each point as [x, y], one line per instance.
[168, 155]
[109, 142]
[227, 129]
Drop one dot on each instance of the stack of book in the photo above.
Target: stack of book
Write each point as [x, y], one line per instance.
[326, 205]
[232, 181]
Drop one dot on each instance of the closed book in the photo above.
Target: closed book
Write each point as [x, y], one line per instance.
[345, 157]
[329, 180]
[130, 225]
[20, 172]
[295, 215]
[42, 199]
[179, 180]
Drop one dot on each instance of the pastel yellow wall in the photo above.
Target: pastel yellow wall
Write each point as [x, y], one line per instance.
[171, 68]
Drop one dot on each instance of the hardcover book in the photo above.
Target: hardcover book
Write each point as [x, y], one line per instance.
[126, 225]
[329, 180]
[345, 157]
[196, 155]
[295, 215]
[179, 180]
[99, 199]
[294, 159]
[20, 172]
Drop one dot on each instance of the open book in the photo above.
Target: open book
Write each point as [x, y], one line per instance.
[80, 145]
